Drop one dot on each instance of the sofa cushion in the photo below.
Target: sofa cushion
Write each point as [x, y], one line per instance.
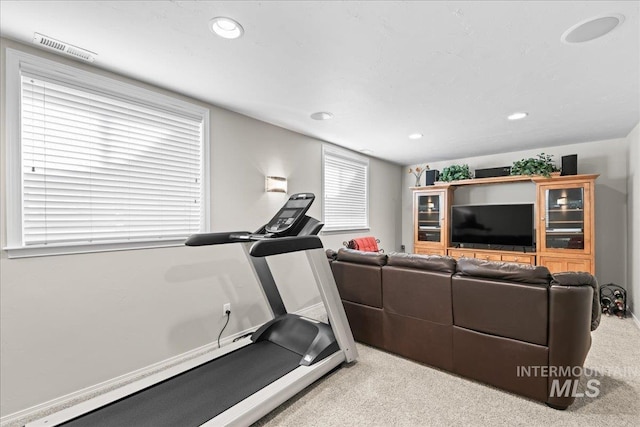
[360, 257]
[359, 283]
[504, 271]
[417, 293]
[423, 262]
[507, 309]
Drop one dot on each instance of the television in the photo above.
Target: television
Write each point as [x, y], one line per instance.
[493, 226]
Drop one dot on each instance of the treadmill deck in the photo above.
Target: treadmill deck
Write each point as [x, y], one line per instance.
[199, 394]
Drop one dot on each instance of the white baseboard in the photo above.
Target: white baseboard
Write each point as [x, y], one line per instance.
[308, 311]
[635, 319]
[84, 394]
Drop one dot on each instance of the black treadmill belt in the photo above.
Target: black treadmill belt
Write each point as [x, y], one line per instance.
[194, 397]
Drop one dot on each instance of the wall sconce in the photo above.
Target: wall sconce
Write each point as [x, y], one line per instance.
[275, 184]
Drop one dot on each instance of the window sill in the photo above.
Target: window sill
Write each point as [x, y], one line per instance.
[343, 230]
[51, 250]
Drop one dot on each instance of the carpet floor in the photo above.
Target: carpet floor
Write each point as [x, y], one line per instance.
[382, 389]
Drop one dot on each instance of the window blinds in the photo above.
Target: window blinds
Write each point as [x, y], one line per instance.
[98, 169]
[345, 192]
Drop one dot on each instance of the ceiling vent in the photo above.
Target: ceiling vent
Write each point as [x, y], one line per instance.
[62, 47]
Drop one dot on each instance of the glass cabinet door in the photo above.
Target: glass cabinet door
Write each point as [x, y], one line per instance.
[565, 221]
[429, 217]
[566, 218]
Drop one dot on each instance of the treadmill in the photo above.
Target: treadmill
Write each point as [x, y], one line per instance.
[245, 380]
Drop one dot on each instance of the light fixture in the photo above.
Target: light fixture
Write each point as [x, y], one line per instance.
[226, 27]
[592, 28]
[322, 115]
[517, 116]
[275, 184]
[415, 136]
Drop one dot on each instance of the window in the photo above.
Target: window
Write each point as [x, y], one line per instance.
[346, 190]
[95, 164]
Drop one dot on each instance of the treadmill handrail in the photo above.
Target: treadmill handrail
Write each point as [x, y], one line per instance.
[284, 245]
[204, 239]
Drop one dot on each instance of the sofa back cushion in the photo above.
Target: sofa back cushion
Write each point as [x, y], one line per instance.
[443, 264]
[361, 257]
[509, 271]
[507, 309]
[417, 293]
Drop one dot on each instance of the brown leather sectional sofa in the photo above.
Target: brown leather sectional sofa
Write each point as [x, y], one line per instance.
[516, 327]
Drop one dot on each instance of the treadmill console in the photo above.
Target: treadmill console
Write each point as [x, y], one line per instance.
[291, 213]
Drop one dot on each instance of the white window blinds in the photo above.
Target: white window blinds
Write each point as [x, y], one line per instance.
[98, 168]
[345, 189]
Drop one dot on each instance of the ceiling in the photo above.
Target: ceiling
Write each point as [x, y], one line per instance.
[451, 71]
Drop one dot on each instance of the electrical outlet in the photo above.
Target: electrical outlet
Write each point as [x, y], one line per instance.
[225, 308]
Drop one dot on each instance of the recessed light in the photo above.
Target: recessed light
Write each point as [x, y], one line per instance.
[415, 136]
[226, 27]
[321, 115]
[592, 28]
[517, 116]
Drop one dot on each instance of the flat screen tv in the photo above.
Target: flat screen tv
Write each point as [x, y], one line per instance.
[483, 226]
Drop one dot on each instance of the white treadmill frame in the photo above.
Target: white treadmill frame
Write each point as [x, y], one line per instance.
[262, 402]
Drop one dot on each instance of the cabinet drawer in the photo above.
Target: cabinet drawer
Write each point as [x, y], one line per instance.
[423, 251]
[521, 259]
[488, 257]
[460, 254]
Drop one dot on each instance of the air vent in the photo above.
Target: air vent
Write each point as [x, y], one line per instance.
[62, 47]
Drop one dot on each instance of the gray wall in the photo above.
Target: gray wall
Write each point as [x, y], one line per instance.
[70, 322]
[607, 158]
[634, 222]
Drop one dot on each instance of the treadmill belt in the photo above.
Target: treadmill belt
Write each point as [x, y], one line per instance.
[194, 397]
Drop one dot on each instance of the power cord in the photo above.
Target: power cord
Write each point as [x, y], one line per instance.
[228, 313]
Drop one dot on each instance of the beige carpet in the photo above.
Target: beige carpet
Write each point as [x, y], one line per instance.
[381, 389]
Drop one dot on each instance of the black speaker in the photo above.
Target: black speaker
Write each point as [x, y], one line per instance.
[569, 165]
[432, 176]
[492, 172]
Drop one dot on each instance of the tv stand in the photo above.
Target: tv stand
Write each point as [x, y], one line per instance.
[493, 255]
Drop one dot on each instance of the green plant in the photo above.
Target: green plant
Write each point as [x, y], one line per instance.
[541, 165]
[455, 173]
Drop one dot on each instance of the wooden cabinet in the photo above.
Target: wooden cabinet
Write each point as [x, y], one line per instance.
[489, 255]
[565, 223]
[559, 264]
[430, 221]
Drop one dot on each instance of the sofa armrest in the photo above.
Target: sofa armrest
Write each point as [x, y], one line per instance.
[582, 279]
[569, 339]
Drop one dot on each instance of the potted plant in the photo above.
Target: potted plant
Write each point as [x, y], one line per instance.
[541, 165]
[455, 173]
